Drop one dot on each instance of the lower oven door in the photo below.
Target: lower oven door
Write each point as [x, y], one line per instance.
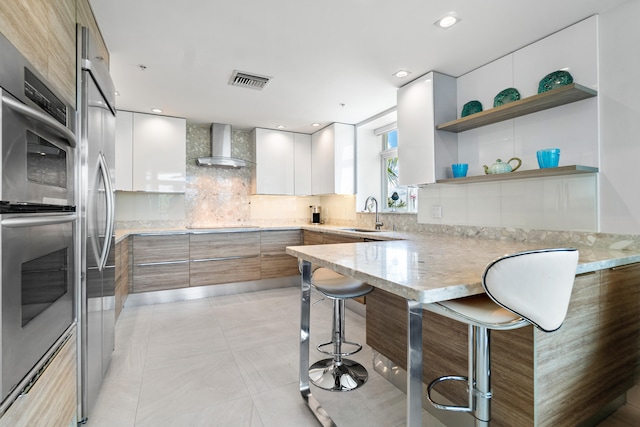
[38, 286]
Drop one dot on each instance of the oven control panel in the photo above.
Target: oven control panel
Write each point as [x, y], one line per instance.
[36, 91]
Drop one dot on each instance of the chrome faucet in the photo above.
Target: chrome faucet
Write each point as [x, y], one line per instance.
[366, 204]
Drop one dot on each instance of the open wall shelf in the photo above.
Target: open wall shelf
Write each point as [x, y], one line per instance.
[533, 173]
[554, 98]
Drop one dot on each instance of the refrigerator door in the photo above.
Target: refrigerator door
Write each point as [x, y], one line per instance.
[98, 296]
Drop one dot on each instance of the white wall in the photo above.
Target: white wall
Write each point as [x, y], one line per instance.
[619, 98]
[562, 203]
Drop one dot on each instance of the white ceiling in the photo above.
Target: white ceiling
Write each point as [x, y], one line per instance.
[330, 60]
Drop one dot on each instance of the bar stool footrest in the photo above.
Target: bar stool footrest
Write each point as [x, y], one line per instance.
[452, 408]
[357, 346]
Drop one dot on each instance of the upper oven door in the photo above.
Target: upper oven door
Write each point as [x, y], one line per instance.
[37, 156]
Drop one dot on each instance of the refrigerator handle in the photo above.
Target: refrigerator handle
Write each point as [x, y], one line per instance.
[104, 169]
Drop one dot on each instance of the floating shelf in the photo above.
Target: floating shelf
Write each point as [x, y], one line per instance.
[534, 173]
[554, 98]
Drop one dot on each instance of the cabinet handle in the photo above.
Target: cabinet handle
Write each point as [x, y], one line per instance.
[622, 267]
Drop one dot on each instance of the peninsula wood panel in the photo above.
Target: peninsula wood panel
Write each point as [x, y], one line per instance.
[160, 248]
[445, 353]
[52, 401]
[590, 361]
[224, 245]
[221, 271]
[274, 261]
[158, 277]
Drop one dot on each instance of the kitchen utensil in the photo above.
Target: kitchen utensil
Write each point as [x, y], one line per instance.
[501, 167]
[459, 169]
[548, 158]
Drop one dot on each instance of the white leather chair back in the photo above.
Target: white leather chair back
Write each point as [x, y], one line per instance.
[535, 285]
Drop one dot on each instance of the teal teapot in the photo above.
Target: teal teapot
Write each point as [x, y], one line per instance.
[501, 167]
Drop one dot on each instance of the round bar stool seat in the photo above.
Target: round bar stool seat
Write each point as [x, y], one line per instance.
[337, 373]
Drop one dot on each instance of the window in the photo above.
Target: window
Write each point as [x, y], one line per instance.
[398, 198]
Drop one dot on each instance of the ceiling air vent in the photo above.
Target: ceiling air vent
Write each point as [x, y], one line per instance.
[251, 81]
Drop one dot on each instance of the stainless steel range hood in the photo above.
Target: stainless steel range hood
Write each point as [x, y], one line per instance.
[221, 149]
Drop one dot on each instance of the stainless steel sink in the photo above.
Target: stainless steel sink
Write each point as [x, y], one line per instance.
[361, 230]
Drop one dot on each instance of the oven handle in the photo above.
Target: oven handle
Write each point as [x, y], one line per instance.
[43, 118]
[104, 168]
[17, 222]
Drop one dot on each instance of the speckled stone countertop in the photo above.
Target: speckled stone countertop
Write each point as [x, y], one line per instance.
[436, 267]
[343, 230]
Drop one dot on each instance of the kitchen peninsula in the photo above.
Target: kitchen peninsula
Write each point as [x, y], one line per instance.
[539, 379]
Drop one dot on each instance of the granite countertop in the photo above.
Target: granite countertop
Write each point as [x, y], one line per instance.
[333, 229]
[436, 267]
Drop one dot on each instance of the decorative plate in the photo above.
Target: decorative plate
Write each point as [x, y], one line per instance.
[554, 80]
[471, 107]
[506, 96]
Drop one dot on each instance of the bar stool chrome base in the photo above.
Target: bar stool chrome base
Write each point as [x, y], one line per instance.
[328, 375]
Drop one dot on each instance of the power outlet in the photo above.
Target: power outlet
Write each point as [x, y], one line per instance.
[436, 211]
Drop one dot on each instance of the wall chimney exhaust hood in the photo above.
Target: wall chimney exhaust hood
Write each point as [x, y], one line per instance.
[221, 149]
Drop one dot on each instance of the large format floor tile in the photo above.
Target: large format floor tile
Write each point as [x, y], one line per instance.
[233, 361]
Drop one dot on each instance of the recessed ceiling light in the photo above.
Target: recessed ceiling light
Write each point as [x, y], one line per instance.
[156, 110]
[315, 125]
[280, 127]
[447, 21]
[401, 74]
[117, 93]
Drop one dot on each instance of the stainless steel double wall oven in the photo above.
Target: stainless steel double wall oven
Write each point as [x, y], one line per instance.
[37, 219]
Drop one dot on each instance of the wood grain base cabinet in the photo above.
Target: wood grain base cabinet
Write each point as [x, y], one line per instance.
[52, 401]
[274, 261]
[122, 274]
[160, 262]
[538, 379]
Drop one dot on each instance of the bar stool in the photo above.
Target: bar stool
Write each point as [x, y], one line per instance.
[337, 373]
[525, 288]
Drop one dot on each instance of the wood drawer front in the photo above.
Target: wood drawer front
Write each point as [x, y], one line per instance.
[216, 272]
[328, 239]
[52, 400]
[224, 245]
[160, 248]
[311, 237]
[122, 274]
[158, 277]
[278, 266]
[276, 242]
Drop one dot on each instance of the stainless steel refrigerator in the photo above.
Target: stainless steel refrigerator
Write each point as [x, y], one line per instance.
[96, 314]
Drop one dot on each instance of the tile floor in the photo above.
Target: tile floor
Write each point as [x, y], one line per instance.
[233, 361]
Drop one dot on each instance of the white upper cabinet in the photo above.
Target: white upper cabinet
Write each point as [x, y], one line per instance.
[156, 147]
[302, 164]
[283, 163]
[425, 154]
[333, 160]
[124, 151]
[274, 171]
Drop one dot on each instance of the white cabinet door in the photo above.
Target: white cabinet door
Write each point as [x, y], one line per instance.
[124, 151]
[159, 153]
[302, 164]
[333, 160]
[425, 154]
[274, 172]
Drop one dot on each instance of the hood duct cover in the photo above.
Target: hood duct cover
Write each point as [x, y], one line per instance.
[221, 149]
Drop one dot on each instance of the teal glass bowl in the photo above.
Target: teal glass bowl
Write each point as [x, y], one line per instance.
[506, 96]
[471, 107]
[554, 80]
